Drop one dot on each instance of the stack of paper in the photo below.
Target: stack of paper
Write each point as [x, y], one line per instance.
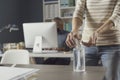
[12, 73]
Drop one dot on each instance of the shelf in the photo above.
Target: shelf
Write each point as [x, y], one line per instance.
[50, 9]
[73, 7]
[67, 17]
[50, 2]
[49, 19]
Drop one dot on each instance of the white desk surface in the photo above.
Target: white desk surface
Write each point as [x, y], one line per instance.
[59, 54]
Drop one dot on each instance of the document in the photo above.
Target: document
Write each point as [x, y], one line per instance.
[12, 73]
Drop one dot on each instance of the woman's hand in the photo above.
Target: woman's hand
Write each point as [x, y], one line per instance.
[92, 40]
[70, 40]
[107, 25]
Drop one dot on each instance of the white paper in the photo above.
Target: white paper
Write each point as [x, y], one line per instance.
[12, 73]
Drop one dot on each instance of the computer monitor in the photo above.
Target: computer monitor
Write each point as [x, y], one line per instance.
[47, 30]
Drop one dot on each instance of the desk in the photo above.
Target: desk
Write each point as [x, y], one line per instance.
[61, 72]
[59, 54]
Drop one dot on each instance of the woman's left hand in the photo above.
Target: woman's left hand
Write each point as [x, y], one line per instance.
[92, 40]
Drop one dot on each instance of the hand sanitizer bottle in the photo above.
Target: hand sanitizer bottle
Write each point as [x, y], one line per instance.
[79, 58]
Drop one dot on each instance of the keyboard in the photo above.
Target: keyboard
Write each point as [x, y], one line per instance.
[49, 51]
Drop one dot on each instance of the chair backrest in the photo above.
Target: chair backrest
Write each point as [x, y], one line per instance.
[15, 56]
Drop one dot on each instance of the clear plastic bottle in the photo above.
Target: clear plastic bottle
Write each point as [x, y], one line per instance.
[79, 58]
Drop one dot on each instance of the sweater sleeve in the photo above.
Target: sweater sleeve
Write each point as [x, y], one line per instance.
[116, 14]
[79, 9]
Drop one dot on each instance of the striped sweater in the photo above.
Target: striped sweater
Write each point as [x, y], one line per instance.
[96, 13]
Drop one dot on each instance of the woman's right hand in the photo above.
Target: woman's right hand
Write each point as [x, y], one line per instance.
[70, 40]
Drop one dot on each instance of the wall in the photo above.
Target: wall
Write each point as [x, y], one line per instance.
[16, 12]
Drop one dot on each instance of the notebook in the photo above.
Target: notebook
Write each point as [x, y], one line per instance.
[12, 73]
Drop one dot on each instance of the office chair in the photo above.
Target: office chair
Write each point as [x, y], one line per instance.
[15, 56]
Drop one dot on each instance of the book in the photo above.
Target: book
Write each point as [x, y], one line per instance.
[71, 2]
[64, 3]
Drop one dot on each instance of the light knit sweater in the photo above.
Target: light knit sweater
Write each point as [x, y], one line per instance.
[97, 12]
